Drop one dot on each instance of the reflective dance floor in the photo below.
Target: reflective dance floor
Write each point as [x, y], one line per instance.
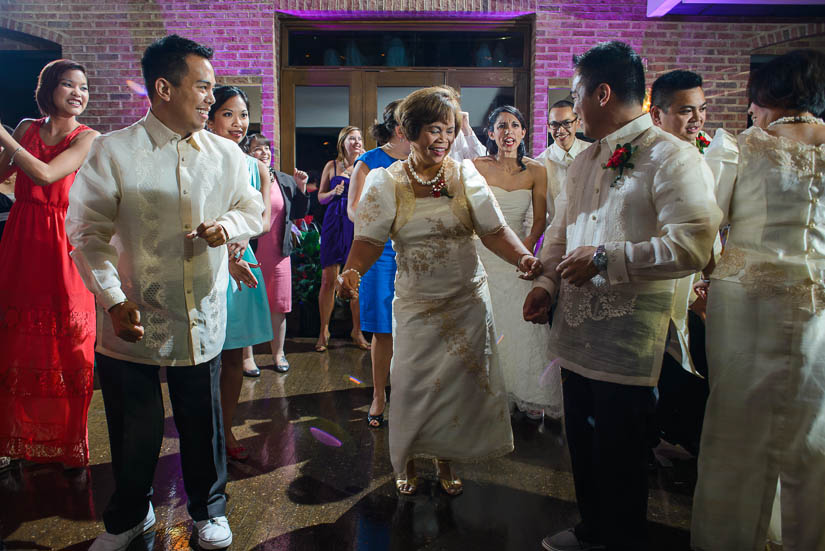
[332, 488]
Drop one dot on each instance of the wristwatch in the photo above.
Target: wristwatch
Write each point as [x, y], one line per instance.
[600, 258]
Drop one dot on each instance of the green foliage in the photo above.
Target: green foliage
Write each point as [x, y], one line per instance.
[306, 266]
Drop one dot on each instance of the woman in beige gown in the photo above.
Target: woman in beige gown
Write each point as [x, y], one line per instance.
[765, 417]
[449, 401]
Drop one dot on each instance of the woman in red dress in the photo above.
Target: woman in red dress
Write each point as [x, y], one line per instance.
[47, 317]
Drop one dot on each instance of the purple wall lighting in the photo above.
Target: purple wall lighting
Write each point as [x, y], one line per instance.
[342, 14]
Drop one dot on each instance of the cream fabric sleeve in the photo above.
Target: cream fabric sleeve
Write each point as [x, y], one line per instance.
[484, 209]
[687, 218]
[90, 223]
[467, 147]
[722, 156]
[376, 209]
[244, 219]
[553, 248]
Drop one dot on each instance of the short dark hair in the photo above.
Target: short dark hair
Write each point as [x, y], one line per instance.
[795, 81]
[166, 58]
[426, 106]
[382, 131]
[616, 64]
[222, 95]
[661, 93]
[561, 104]
[492, 146]
[48, 81]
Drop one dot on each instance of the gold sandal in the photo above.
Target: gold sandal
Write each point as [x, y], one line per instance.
[407, 486]
[451, 485]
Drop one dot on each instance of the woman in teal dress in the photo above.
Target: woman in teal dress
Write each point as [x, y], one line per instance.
[248, 320]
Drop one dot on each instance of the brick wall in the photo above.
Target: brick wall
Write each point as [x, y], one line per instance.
[109, 38]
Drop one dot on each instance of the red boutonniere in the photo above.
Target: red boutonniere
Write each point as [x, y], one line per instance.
[620, 160]
[702, 143]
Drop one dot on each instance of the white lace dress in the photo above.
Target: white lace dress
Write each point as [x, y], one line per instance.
[448, 399]
[765, 417]
[532, 382]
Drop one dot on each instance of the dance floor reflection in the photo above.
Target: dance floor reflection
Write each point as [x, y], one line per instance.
[318, 478]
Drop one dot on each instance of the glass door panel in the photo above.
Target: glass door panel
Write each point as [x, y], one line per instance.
[320, 113]
[479, 102]
[383, 87]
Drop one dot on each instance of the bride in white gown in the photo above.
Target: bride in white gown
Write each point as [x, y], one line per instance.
[519, 184]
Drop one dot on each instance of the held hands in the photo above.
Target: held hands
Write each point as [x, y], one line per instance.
[529, 266]
[237, 250]
[347, 283]
[241, 272]
[126, 321]
[537, 306]
[212, 232]
[577, 266]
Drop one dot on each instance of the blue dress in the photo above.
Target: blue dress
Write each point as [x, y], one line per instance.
[378, 284]
[247, 311]
[337, 228]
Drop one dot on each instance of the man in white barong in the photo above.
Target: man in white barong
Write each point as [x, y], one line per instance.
[637, 211]
[149, 215]
[678, 106]
[563, 125]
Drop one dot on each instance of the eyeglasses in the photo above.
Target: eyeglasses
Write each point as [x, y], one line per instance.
[566, 124]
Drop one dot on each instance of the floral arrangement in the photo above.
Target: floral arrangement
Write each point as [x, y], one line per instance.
[702, 142]
[620, 160]
[306, 262]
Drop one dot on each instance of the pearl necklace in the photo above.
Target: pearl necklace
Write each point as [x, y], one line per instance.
[798, 119]
[437, 183]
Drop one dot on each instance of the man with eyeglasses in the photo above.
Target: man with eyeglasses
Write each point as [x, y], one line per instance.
[563, 125]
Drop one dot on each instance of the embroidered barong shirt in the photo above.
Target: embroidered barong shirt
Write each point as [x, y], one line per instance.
[657, 223]
[556, 162]
[140, 191]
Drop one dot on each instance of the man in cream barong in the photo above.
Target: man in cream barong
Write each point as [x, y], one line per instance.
[620, 237]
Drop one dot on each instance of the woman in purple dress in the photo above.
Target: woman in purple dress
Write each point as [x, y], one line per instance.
[337, 231]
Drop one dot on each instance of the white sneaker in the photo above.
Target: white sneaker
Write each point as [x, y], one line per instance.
[214, 533]
[568, 541]
[119, 542]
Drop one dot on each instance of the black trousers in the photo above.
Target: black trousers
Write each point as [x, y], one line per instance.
[607, 431]
[134, 413]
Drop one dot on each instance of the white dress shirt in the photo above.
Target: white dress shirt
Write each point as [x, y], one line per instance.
[140, 191]
[657, 223]
[556, 162]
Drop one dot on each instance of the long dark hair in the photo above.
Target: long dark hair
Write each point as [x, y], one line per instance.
[492, 146]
